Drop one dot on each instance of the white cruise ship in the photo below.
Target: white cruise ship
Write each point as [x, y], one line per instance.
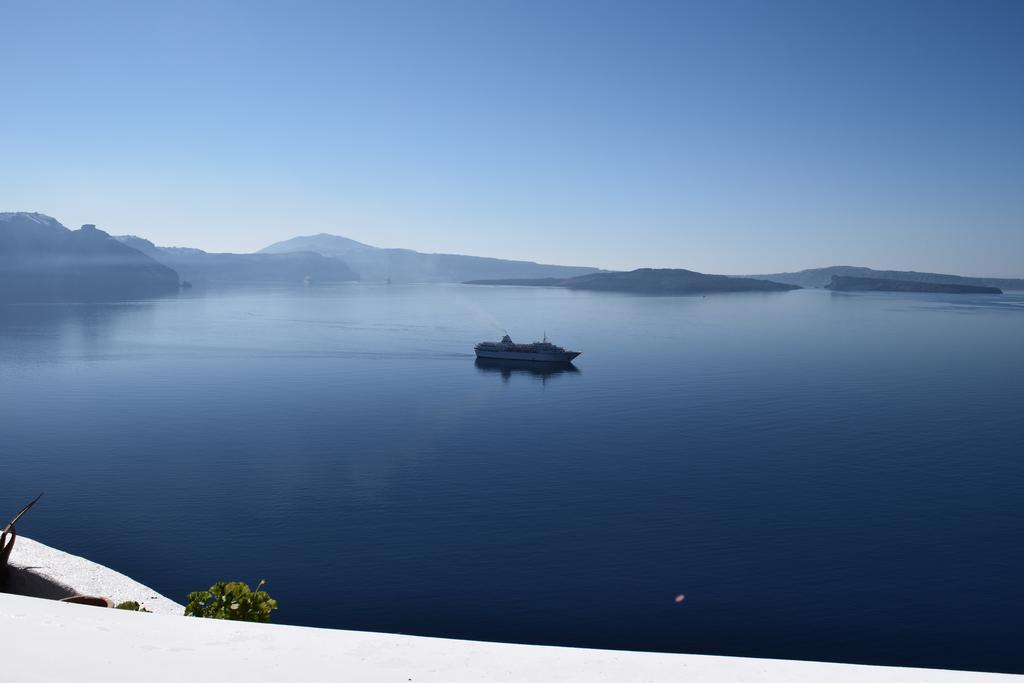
[543, 351]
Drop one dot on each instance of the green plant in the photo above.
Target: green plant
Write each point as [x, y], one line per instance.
[233, 600]
[131, 606]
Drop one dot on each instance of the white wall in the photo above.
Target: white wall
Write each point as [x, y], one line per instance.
[43, 640]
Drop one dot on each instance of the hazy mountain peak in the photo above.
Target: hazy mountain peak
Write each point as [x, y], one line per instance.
[322, 243]
[200, 267]
[135, 241]
[31, 219]
[406, 265]
[40, 218]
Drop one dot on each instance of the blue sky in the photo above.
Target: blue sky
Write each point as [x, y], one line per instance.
[728, 137]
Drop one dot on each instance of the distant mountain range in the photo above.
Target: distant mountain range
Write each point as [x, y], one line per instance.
[842, 283]
[651, 281]
[375, 264]
[820, 277]
[200, 268]
[41, 260]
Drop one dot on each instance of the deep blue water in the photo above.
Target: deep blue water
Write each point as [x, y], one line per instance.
[823, 476]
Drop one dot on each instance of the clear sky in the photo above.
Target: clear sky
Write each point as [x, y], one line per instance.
[730, 137]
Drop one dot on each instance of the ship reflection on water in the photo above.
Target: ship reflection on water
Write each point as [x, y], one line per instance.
[541, 371]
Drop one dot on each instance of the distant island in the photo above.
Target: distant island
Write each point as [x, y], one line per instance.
[650, 281]
[822, 277]
[842, 283]
[202, 268]
[375, 264]
[43, 261]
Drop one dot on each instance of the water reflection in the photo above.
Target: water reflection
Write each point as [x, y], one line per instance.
[56, 332]
[541, 371]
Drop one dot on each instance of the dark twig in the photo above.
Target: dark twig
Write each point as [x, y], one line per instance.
[18, 516]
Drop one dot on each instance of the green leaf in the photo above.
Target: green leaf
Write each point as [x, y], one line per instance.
[232, 600]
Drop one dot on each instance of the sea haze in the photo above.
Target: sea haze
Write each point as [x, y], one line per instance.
[821, 475]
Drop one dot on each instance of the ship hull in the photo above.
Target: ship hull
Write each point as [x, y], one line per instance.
[538, 357]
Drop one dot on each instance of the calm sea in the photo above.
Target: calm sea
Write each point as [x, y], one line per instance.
[821, 476]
